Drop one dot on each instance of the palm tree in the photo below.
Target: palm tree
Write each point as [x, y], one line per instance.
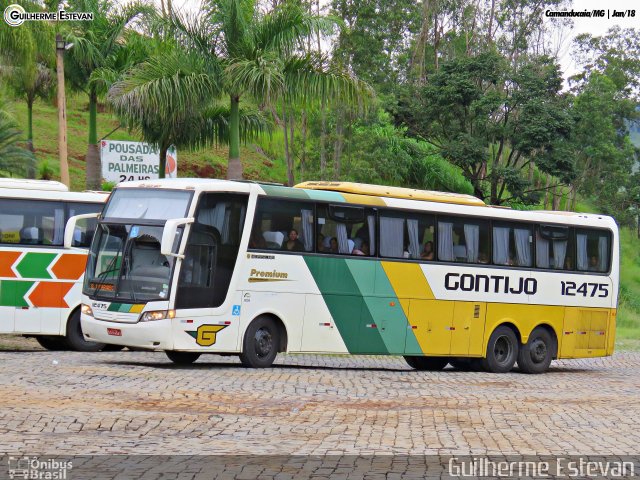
[97, 47]
[30, 83]
[27, 57]
[14, 160]
[248, 53]
[178, 107]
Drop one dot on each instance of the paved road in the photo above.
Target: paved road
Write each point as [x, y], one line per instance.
[139, 403]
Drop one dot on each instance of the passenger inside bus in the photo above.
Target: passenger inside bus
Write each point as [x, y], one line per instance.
[292, 243]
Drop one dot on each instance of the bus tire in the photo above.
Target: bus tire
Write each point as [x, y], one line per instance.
[535, 356]
[74, 338]
[260, 344]
[182, 358]
[427, 363]
[52, 343]
[502, 351]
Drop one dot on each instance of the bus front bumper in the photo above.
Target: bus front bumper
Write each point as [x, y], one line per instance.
[155, 335]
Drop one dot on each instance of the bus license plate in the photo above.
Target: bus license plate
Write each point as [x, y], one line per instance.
[116, 332]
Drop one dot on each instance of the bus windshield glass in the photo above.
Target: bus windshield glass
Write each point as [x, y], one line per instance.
[147, 204]
[125, 263]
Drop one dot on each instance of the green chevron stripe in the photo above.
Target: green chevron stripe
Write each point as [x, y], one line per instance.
[345, 301]
[34, 265]
[12, 293]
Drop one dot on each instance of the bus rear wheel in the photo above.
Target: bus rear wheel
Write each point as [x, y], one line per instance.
[182, 358]
[535, 356]
[427, 363]
[52, 343]
[502, 351]
[75, 339]
[260, 344]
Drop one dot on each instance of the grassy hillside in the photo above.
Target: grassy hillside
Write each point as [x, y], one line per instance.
[211, 163]
[208, 163]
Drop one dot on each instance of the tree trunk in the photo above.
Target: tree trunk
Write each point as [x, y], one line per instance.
[234, 168]
[323, 140]
[94, 173]
[417, 60]
[546, 192]
[556, 197]
[303, 153]
[287, 154]
[162, 168]
[30, 125]
[337, 146]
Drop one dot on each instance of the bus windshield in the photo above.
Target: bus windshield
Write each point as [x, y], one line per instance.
[147, 204]
[125, 263]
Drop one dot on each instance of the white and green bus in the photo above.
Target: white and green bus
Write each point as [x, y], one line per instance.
[40, 280]
[193, 266]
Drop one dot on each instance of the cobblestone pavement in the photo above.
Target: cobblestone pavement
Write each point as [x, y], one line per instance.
[139, 403]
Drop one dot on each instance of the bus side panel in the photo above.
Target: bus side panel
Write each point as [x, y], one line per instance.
[585, 332]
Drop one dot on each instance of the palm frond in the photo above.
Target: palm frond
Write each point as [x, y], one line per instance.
[262, 78]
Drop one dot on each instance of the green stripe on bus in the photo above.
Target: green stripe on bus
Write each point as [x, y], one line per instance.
[325, 196]
[12, 293]
[285, 192]
[346, 304]
[34, 265]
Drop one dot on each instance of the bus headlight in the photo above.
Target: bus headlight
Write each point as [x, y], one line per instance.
[86, 309]
[157, 315]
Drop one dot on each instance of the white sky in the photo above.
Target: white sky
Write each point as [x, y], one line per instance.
[595, 26]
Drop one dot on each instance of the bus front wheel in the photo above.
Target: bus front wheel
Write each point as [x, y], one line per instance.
[182, 358]
[427, 363]
[535, 355]
[502, 351]
[74, 338]
[260, 344]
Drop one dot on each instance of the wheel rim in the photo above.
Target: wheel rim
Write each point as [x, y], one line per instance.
[502, 350]
[264, 342]
[538, 351]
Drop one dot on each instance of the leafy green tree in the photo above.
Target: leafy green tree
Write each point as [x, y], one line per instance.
[493, 121]
[98, 46]
[256, 55]
[168, 103]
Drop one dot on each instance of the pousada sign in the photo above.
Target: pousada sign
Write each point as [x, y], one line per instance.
[130, 161]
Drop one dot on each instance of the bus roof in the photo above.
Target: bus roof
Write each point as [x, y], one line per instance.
[26, 184]
[393, 192]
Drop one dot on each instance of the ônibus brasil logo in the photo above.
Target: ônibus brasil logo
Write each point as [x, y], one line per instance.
[15, 15]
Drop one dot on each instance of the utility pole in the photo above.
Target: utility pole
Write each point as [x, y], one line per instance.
[62, 112]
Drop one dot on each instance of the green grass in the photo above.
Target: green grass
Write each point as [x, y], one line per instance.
[205, 163]
[629, 299]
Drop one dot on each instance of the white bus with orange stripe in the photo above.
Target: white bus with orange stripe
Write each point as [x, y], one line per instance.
[40, 280]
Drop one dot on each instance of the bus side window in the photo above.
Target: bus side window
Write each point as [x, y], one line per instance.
[407, 235]
[463, 240]
[512, 245]
[32, 222]
[555, 247]
[282, 225]
[592, 253]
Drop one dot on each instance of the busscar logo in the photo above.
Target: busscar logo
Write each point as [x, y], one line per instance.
[15, 15]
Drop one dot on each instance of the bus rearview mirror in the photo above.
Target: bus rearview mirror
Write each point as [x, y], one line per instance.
[70, 228]
[169, 236]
